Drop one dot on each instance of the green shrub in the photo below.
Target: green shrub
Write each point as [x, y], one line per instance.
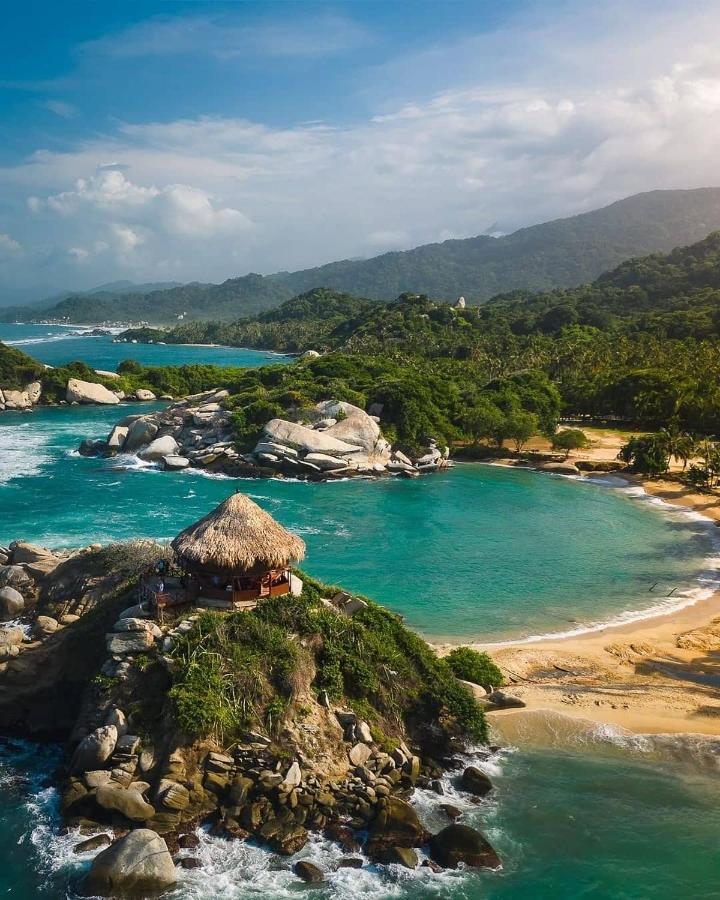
[469, 665]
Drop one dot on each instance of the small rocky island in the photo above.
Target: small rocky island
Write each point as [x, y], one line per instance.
[296, 710]
[334, 439]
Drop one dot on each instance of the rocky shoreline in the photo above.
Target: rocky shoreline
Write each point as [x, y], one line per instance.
[335, 439]
[137, 789]
[77, 392]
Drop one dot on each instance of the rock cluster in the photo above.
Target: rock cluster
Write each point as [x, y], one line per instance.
[20, 399]
[334, 440]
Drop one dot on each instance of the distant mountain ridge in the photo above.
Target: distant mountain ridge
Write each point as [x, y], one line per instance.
[561, 253]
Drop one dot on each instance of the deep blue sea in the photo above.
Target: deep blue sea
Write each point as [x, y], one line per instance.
[477, 552]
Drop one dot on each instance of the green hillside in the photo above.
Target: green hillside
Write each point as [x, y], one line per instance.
[561, 253]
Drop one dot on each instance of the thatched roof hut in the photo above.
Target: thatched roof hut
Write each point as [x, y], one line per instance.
[238, 536]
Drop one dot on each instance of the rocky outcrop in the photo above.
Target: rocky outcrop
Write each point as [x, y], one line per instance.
[12, 603]
[475, 781]
[461, 844]
[95, 749]
[88, 392]
[21, 399]
[334, 440]
[137, 865]
[159, 448]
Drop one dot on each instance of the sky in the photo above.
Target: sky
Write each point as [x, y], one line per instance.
[192, 141]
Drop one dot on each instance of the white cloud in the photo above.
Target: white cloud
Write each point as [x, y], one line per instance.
[578, 125]
[223, 38]
[8, 245]
[61, 108]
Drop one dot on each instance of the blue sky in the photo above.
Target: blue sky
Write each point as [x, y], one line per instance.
[183, 141]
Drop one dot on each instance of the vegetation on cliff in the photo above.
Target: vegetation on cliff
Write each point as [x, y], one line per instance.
[246, 669]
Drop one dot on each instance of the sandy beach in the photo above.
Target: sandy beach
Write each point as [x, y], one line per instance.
[657, 675]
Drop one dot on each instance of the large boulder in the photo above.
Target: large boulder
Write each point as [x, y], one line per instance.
[124, 800]
[34, 391]
[159, 448]
[396, 825]
[117, 437]
[358, 429]
[138, 864]
[174, 462]
[16, 399]
[461, 844]
[325, 462]
[120, 644]
[144, 394]
[14, 576]
[475, 781]
[37, 561]
[307, 440]
[140, 432]
[88, 392]
[95, 749]
[11, 603]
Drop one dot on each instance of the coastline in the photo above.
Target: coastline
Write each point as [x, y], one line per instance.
[659, 674]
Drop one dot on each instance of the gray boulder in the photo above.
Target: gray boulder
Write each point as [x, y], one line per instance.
[138, 864]
[17, 399]
[117, 436]
[144, 394]
[94, 750]
[14, 576]
[37, 561]
[307, 440]
[325, 462]
[461, 844]
[358, 429]
[159, 448]
[140, 432]
[128, 642]
[475, 781]
[127, 801]
[88, 392]
[274, 449]
[174, 462]
[11, 603]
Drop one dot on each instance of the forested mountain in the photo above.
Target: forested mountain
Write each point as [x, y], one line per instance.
[641, 343]
[561, 253]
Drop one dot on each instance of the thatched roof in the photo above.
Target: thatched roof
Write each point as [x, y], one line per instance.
[238, 536]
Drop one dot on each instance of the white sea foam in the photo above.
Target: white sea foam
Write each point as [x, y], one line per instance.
[23, 451]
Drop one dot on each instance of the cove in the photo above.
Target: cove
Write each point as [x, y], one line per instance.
[477, 552]
[57, 345]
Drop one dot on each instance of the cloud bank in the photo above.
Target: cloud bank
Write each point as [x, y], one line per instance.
[581, 124]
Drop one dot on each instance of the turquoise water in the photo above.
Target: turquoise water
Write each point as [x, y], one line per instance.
[476, 552]
[56, 345]
[568, 825]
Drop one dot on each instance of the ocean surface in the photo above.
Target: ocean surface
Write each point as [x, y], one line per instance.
[57, 345]
[477, 552]
[610, 822]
